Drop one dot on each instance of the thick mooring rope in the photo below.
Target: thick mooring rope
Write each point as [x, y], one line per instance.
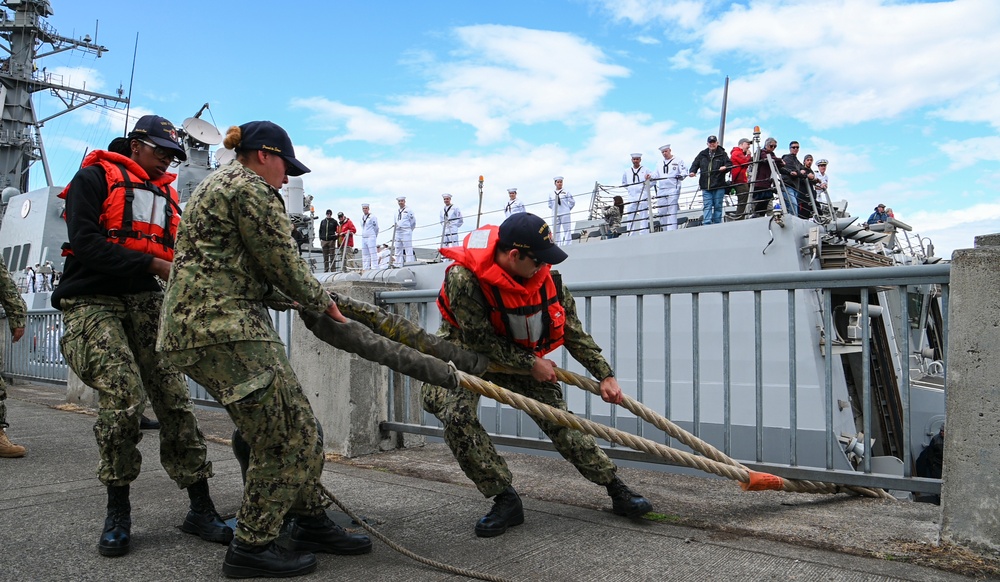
[730, 469]
[708, 452]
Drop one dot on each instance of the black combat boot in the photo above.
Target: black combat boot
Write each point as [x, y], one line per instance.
[626, 502]
[267, 561]
[506, 512]
[115, 540]
[203, 520]
[318, 533]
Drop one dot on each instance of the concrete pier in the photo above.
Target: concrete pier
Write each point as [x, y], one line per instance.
[970, 492]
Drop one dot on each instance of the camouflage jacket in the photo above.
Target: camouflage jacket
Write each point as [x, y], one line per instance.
[10, 297]
[477, 334]
[233, 250]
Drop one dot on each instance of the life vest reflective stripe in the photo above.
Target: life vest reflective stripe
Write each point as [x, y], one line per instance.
[138, 213]
[527, 313]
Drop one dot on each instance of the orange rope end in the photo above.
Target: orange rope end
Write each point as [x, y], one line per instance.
[762, 482]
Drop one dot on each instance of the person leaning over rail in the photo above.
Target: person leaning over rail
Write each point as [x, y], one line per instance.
[232, 253]
[16, 311]
[500, 298]
[121, 218]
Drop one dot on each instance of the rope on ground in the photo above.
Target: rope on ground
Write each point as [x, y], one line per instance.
[409, 554]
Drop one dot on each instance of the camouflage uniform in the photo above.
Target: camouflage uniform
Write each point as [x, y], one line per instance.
[457, 408]
[108, 343]
[111, 305]
[16, 310]
[232, 251]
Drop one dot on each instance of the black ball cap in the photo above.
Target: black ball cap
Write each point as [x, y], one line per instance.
[158, 131]
[270, 137]
[525, 231]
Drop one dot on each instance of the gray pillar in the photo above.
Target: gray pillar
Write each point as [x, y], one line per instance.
[970, 493]
[349, 394]
[79, 393]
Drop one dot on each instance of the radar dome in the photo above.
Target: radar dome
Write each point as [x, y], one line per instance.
[8, 193]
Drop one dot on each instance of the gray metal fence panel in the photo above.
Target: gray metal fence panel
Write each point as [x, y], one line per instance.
[706, 387]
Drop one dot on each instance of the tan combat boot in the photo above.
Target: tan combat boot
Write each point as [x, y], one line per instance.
[8, 449]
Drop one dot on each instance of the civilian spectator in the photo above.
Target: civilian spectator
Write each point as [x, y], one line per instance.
[880, 215]
[328, 240]
[713, 163]
[740, 156]
[795, 178]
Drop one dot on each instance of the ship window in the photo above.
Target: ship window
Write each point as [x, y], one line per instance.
[25, 250]
[6, 259]
[14, 259]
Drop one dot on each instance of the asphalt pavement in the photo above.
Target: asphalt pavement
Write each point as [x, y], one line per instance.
[52, 511]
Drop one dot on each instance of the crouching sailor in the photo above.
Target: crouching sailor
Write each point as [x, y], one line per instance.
[500, 298]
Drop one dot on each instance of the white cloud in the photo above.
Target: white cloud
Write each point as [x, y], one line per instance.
[76, 77]
[356, 123]
[971, 151]
[642, 39]
[502, 75]
[854, 60]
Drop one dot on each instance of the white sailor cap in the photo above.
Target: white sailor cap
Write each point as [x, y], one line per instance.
[446, 196]
[636, 155]
[365, 205]
[664, 147]
[557, 179]
[511, 190]
[400, 198]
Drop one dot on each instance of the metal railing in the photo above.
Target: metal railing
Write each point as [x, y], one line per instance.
[38, 356]
[701, 384]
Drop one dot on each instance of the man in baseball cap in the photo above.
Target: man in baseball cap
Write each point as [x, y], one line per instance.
[531, 235]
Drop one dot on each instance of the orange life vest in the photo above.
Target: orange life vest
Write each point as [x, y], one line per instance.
[528, 313]
[139, 213]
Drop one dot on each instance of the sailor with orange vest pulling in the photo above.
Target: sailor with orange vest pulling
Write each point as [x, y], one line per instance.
[501, 298]
[122, 218]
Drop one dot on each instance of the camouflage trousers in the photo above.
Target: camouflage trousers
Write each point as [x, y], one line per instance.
[109, 343]
[472, 447]
[256, 384]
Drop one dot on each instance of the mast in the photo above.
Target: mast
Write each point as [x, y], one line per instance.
[20, 77]
[722, 121]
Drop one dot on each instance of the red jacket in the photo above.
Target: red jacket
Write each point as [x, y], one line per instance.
[526, 312]
[740, 165]
[347, 229]
[139, 214]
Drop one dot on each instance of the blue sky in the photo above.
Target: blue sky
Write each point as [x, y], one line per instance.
[420, 98]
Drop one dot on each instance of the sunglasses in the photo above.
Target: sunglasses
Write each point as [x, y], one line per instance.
[536, 260]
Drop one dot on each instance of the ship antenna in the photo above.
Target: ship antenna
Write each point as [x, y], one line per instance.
[128, 102]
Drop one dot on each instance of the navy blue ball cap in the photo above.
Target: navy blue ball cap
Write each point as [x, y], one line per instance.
[270, 137]
[158, 131]
[528, 232]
